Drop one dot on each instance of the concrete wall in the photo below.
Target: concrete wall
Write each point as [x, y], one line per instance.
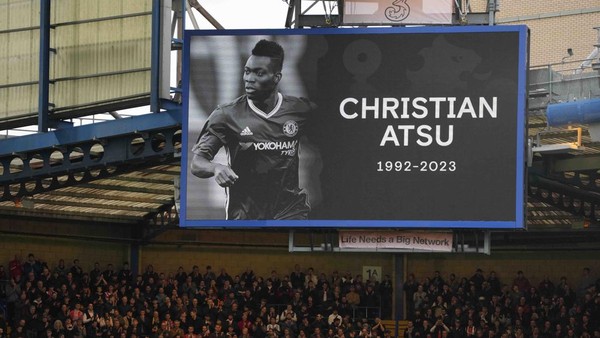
[262, 260]
[264, 254]
[52, 249]
[534, 264]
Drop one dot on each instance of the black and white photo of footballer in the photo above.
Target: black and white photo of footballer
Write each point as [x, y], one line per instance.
[261, 132]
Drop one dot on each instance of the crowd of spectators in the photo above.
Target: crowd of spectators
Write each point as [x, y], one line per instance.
[483, 306]
[66, 301]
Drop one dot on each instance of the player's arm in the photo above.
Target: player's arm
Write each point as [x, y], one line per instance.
[210, 141]
[204, 168]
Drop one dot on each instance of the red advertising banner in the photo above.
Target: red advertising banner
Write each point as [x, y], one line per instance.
[397, 12]
[398, 240]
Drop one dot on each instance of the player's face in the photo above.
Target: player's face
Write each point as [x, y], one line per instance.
[260, 79]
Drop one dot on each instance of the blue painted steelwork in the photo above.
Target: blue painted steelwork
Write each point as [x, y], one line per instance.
[399, 300]
[576, 112]
[122, 145]
[34, 163]
[44, 67]
[155, 57]
[90, 132]
[184, 4]
[357, 224]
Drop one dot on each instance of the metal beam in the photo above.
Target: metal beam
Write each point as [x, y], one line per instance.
[319, 20]
[120, 197]
[69, 215]
[583, 181]
[155, 56]
[93, 202]
[159, 171]
[297, 13]
[144, 190]
[205, 14]
[74, 112]
[107, 129]
[577, 163]
[566, 197]
[44, 68]
[312, 20]
[474, 19]
[561, 216]
[143, 179]
[188, 9]
[48, 161]
[47, 182]
[290, 14]
[568, 190]
[164, 69]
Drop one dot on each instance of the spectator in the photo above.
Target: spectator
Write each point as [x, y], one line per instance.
[410, 331]
[477, 279]
[320, 323]
[209, 275]
[419, 298]
[439, 329]
[546, 287]
[353, 297]
[32, 265]
[289, 325]
[494, 283]
[585, 281]
[521, 282]
[76, 271]
[310, 277]
[378, 328]
[273, 326]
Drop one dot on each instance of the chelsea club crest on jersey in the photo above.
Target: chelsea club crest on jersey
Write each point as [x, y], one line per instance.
[290, 128]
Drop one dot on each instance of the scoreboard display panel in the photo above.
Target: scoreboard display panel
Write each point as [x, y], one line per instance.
[376, 127]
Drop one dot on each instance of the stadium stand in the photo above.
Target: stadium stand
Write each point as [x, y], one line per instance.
[60, 301]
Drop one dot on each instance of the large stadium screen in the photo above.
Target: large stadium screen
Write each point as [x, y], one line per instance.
[378, 127]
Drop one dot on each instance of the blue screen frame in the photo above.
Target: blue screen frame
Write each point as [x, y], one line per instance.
[521, 132]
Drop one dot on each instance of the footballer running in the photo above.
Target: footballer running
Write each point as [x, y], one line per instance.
[261, 133]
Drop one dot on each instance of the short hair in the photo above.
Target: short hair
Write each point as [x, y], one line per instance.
[270, 49]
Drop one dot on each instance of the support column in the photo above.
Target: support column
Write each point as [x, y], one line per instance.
[399, 278]
[44, 68]
[134, 258]
[155, 57]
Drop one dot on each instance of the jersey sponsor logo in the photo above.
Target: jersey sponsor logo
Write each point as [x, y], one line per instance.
[290, 128]
[246, 132]
[245, 145]
[278, 145]
[285, 148]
